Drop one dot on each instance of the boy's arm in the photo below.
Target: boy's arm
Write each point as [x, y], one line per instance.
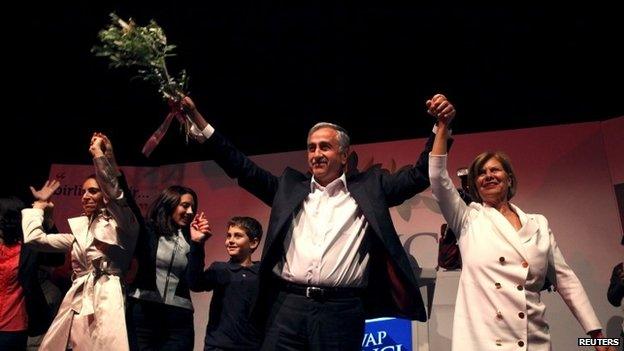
[195, 266]
[200, 232]
[197, 279]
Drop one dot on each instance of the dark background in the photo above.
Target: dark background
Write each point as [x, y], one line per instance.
[263, 72]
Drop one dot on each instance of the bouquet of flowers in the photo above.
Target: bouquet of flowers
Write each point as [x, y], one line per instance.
[126, 44]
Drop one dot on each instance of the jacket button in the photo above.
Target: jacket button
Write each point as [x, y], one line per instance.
[499, 315]
[525, 264]
[501, 259]
[521, 315]
[520, 343]
[497, 285]
[520, 287]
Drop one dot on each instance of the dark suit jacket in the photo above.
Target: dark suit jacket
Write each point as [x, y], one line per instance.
[39, 314]
[393, 288]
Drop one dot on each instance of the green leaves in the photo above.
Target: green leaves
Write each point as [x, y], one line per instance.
[126, 44]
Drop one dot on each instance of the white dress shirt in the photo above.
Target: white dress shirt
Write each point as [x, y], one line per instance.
[325, 244]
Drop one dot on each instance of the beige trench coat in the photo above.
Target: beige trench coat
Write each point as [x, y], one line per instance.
[91, 316]
[498, 302]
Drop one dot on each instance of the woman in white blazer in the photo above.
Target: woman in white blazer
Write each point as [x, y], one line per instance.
[507, 255]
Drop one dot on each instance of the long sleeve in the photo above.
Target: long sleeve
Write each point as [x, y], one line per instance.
[142, 243]
[130, 200]
[50, 259]
[615, 293]
[127, 229]
[454, 209]
[195, 267]
[410, 180]
[197, 278]
[106, 176]
[251, 177]
[36, 237]
[570, 288]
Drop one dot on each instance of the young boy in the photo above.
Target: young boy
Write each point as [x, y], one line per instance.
[234, 285]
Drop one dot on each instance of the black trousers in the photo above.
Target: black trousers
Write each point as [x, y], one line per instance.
[157, 326]
[13, 341]
[297, 323]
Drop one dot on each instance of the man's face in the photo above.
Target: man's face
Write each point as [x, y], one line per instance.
[92, 199]
[325, 159]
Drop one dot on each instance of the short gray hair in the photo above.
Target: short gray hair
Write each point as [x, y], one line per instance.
[343, 138]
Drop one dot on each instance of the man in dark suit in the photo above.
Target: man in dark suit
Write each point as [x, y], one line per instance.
[332, 256]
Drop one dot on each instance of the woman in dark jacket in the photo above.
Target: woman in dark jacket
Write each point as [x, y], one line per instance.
[160, 308]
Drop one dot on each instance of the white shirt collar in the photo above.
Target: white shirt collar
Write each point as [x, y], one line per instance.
[342, 179]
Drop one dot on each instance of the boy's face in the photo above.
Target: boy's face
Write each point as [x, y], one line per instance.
[238, 244]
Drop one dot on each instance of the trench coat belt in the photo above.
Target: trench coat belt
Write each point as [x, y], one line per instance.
[84, 282]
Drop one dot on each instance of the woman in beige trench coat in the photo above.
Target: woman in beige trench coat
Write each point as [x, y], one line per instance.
[91, 316]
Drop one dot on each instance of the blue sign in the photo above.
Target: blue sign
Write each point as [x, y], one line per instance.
[387, 334]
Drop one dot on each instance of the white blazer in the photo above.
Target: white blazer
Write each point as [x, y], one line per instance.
[498, 302]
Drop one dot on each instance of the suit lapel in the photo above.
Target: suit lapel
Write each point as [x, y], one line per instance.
[505, 230]
[295, 191]
[529, 227]
[395, 260]
[357, 189]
